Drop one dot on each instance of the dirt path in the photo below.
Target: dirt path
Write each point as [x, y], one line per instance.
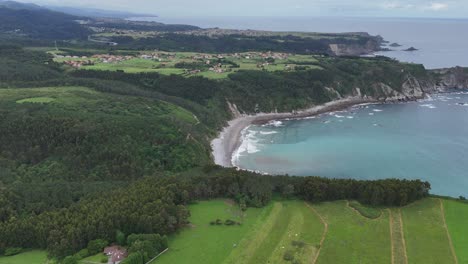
[324, 235]
[403, 236]
[397, 238]
[448, 234]
[391, 235]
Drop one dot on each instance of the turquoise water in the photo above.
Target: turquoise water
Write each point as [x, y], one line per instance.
[418, 140]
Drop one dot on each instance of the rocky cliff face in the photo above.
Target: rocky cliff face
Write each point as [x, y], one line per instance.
[436, 81]
[452, 78]
[373, 44]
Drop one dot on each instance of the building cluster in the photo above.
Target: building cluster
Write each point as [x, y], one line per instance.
[159, 56]
[79, 63]
[106, 58]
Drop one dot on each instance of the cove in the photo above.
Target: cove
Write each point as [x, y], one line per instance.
[425, 140]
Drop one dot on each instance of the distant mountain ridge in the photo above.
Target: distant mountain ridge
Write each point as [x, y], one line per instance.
[96, 13]
[17, 5]
[33, 21]
[75, 11]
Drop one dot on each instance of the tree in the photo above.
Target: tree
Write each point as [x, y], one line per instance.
[120, 238]
[96, 246]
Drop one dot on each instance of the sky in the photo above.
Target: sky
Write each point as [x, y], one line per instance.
[359, 8]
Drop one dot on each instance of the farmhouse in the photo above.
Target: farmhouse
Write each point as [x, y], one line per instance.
[116, 254]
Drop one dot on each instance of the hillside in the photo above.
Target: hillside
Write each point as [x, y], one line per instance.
[111, 144]
[34, 22]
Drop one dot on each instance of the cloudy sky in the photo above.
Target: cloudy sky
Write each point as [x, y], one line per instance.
[387, 8]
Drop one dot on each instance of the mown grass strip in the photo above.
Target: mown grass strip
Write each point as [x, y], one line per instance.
[273, 238]
[250, 243]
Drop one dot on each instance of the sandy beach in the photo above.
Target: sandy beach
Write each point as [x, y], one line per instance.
[229, 140]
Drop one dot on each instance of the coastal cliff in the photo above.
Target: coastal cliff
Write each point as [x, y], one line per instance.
[411, 88]
[368, 45]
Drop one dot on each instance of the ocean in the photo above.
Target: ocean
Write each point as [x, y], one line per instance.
[441, 43]
[417, 140]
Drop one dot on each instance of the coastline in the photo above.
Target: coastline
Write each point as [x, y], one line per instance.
[229, 140]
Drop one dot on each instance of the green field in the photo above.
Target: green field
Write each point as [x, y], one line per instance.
[411, 234]
[41, 100]
[205, 243]
[29, 257]
[265, 235]
[353, 238]
[72, 96]
[425, 233]
[456, 215]
[291, 229]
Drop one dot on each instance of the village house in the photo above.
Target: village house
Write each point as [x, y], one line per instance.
[116, 254]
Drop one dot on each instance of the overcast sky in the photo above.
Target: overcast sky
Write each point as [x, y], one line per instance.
[387, 8]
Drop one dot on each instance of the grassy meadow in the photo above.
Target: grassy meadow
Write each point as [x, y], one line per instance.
[28, 257]
[456, 215]
[353, 238]
[331, 232]
[425, 233]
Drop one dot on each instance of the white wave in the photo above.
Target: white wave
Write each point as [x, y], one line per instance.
[431, 106]
[274, 123]
[249, 144]
[268, 132]
[377, 110]
[350, 117]
[339, 116]
[371, 114]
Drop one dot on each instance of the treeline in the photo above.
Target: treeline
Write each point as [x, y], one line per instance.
[256, 190]
[156, 205]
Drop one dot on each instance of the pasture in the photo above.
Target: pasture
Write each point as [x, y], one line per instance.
[425, 233]
[330, 232]
[456, 215]
[28, 257]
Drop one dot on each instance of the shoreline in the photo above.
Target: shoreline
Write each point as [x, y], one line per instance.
[229, 139]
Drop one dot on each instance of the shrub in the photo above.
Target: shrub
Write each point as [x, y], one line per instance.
[104, 259]
[120, 238]
[219, 222]
[70, 260]
[369, 212]
[12, 251]
[298, 244]
[82, 254]
[96, 246]
[212, 222]
[462, 198]
[288, 255]
[230, 222]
